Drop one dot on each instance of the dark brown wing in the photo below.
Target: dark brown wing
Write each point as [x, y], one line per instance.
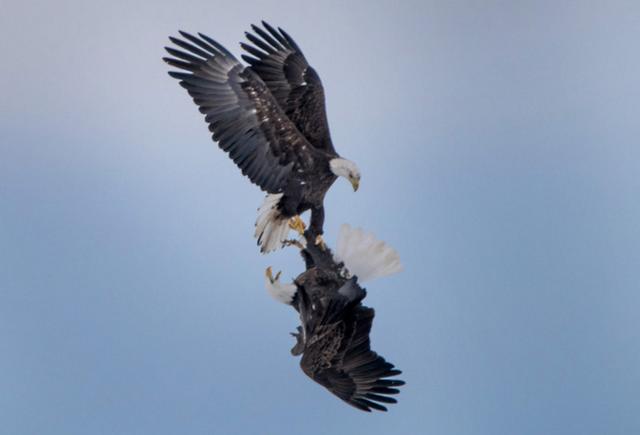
[243, 116]
[278, 60]
[339, 357]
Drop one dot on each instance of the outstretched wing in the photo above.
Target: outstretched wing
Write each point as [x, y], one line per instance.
[243, 116]
[341, 360]
[278, 60]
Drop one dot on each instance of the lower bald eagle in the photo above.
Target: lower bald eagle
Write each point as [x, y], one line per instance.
[270, 118]
[334, 336]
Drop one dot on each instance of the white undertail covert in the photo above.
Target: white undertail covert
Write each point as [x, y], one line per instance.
[365, 256]
[272, 228]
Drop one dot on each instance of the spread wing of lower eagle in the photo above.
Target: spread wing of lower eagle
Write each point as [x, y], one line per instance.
[278, 60]
[243, 115]
[339, 357]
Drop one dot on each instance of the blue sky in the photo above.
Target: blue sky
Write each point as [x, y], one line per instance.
[498, 144]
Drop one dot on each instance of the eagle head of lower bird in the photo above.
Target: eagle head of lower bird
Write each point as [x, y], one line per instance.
[347, 169]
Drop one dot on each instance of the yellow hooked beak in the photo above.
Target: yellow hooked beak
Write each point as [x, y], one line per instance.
[355, 182]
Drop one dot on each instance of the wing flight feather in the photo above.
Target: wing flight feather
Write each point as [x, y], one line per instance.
[278, 60]
[243, 116]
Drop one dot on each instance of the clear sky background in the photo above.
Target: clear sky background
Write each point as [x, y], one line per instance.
[499, 147]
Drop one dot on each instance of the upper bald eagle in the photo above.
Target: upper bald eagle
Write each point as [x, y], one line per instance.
[334, 336]
[270, 117]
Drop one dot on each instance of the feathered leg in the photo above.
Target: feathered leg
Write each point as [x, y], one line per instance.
[316, 224]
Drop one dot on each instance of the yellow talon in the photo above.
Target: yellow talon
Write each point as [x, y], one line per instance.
[320, 242]
[269, 274]
[294, 243]
[297, 224]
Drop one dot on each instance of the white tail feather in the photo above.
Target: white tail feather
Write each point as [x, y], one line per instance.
[281, 292]
[364, 256]
[272, 228]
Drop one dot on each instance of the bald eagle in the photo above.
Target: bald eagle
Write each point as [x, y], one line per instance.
[270, 118]
[334, 337]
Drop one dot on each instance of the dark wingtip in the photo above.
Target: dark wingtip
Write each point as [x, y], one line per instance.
[377, 406]
[268, 26]
[381, 398]
[250, 60]
[217, 46]
[176, 75]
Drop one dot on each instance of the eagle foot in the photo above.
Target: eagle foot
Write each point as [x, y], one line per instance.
[296, 223]
[298, 349]
[320, 242]
[293, 242]
[269, 274]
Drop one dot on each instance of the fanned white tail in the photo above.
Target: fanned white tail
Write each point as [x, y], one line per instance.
[272, 228]
[364, 256]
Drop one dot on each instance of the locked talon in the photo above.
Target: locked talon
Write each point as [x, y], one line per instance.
[320, 242]
[297, 224]
[269, 274]
[292, 242]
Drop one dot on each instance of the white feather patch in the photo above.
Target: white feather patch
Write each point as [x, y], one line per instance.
[281, 292]
[272, 228]
[364, 256]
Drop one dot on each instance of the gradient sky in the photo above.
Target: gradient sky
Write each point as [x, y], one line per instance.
[499, 147]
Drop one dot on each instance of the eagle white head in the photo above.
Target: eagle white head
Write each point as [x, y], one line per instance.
[347, 169]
